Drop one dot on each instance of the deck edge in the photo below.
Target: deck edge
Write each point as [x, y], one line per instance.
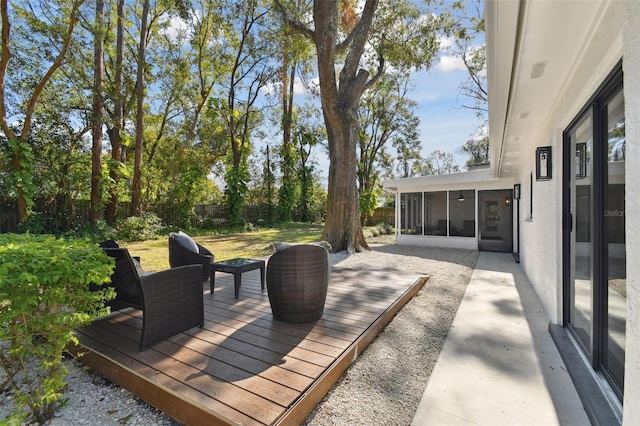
[159, 397]
[308, 400]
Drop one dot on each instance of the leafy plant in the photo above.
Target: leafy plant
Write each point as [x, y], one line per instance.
[17, 159]
[368, 203]
[137, 228]
[44, 296]
[100, 231]
[236, 179]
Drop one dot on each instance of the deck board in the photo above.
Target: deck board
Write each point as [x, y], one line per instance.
[244, 367]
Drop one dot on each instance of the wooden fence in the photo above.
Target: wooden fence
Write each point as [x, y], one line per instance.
[384, 215]
[204, 215]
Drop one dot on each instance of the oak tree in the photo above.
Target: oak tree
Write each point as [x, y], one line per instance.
[352, 48]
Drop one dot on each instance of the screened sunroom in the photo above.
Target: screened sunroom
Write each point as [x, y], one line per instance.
[468, 210]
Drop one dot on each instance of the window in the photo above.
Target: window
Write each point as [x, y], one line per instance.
[411, 213]
[435, 213]
[462, 212]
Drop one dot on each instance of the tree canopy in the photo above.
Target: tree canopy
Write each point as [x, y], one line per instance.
[147, 102]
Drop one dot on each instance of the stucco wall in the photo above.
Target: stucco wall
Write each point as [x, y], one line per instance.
[540, 240]
[541, 234]
[631, 66]
[617, 35]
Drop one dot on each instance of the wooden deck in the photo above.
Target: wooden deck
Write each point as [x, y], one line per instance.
[243, 367]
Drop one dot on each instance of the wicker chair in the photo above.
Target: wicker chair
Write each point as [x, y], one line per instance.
[297, 282]
[171, 300]
[179, 255]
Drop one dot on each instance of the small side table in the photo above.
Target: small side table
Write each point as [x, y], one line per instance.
[237, 267]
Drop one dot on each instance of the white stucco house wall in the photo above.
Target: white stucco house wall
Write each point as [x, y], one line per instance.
[564, 120]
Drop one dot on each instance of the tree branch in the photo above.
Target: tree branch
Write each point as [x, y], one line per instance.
[296, 25]
[4, 63]
[359, 39]
[379, 73]
[73, 19]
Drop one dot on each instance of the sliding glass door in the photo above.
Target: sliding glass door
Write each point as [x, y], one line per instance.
[594, 232]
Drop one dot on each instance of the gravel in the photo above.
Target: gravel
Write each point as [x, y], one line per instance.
[383, 386]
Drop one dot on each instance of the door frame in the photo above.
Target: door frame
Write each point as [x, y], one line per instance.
[596, 107]
[505, 246]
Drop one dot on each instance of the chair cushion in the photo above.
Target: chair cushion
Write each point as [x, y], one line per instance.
[279, 245]
[186, 241]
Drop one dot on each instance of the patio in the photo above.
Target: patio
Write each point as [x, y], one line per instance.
[244, 367]
[499, 364]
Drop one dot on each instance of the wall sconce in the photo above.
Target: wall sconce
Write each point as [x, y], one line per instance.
[516, 191]
[507, 201]
[543, 163]
[581, 160]
[461, 197]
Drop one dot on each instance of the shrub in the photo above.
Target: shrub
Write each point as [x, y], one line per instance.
[44, 297]
[101, 231]
[139, 228]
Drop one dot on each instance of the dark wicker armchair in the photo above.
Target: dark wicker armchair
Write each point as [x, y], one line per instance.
[171, 300]
[297, 282]
[181, 255]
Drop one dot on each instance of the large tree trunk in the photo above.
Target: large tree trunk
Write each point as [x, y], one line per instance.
[343, 229]
[96, 149]
[137, 167]
[111, 212]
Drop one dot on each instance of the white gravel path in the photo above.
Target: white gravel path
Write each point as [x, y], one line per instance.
[385, 384]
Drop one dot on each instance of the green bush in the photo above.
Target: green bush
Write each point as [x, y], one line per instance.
[139, 228]
[44, 297]
[101, 231]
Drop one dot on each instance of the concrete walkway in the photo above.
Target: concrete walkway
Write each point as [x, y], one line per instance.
[498, 365]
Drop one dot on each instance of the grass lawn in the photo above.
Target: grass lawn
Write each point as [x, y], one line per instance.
[154, 254]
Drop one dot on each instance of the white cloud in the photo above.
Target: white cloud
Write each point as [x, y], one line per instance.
[445, 42]
[298, 87]
[176, 28]
[450, 63]
[271, 88]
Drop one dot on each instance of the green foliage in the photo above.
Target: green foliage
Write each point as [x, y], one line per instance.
[470, 48]
[311, 202]
[478, 150]
[368, 203]
[377, 230]
[139, 228]
[236, 179]
[387, 119]
[44, 296]
[18, 161]
[442, 163]
[312, 208]
[185, 192]
[100, 231]
[288, 193]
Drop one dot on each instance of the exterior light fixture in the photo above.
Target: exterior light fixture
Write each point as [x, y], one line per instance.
[581, 160]
[461, 197]
[543, 163]
[516, 191]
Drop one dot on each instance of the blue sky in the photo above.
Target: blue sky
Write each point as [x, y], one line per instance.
[444, 123]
